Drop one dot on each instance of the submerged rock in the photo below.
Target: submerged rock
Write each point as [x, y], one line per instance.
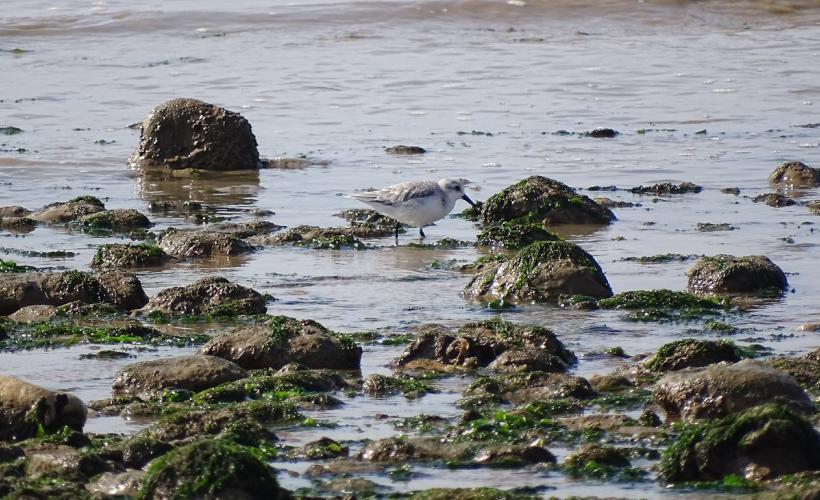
[541, 272]
[147, 380]
[688, 353]
[212, 295]
[668, 188]
[775, 200]
[18, 224]
[211, 469]
[285, 340]
[485, 343]
[192, 244]
[795, 174]
[188, 133]
[26, 408]
[118, 255]
[245, 229]
[600, 454]
[401, 149]
[323, 238]
[727, 274]
[68, 211]
[719, 390]
[762, 442]
[541, 200]
[18, 290]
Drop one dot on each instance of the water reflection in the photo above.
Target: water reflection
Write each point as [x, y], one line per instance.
[210, 189]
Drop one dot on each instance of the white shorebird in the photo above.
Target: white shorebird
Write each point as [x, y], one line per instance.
[416, 203]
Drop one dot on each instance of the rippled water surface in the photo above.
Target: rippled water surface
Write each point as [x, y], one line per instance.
[716, 93]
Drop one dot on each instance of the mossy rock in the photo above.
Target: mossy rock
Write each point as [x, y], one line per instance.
[662, 305]
[727, 274]
[795, 174]
[540, 200]
[117, 255]
[118, 220]
[687, 353]
[596, 461]
[541, 272]
[762, 442]
[210, 469]
[514, 235]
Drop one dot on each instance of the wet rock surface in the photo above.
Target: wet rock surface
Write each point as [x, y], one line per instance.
[541, 200]
[688, 353]
[325, 238]
[775, 200]
[62, 212]
[514, 235]
[795, 174]
[118, 221]
[541, 272]
[118, 256]
[727, 274]
[213, 295]
[25, 408]
[195, 244]
[485, 343]
[285, 340]
[401, 149]
[147, 380]
[191, 134]
[719, 390]
[757, 443]
[667, 188]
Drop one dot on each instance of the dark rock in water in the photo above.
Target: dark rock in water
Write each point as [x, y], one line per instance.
[610, 383]
[601, 133]
[484, 342]
[245, 229]
[732, 190]
[719, 390]
[512, 455]
[762, 442]
[668, 188]
[688, 353]
[211, 469]
[17, 224]
[806, 369]
[514, 235]
[14, 211]
[118, 256]
[610, 203]
[727, 274]
[795, 174]
[405, 150]
[25, 408]
[813, 206]
[541, 200]
[285, 340]
[370, 220]
[399, 450]
[297, 163]
[192, 244]
[68, 211]
[775, 200]
[324, 448]
[119, 220]
[527, 387]
[541, 272]
[191, 134]
[323, 238]
[600, 454]
[708, 227]
[213, 295]
[147, 380]
[18, 290]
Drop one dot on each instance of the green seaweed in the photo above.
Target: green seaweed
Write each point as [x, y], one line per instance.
[9, 266]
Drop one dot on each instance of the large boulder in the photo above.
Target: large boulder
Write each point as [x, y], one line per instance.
[210, 469]
[188, 133]
[188, 244]
[18, 290]
[540, 272]
[62, 212]
[546, 201]
[762, 442]
[719, 390]
[213, 295]
[727, 274]
[26, 408]
[502, 345]
[795, 174]
[148, 380]
[285, 340]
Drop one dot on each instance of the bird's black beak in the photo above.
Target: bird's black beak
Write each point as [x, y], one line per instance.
[468, 200]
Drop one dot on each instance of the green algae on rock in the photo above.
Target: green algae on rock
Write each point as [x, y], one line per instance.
[213, 295]
[540, 200]
[541, 272]
[198, 244]
[795, 174]
[210, 469]
[116, 221]
[727, 274]
[687, 353]
[514, 235]
[761, 442]
[118, 255]
[661, 305]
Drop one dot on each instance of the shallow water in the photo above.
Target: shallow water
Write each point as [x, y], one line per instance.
[340, 81]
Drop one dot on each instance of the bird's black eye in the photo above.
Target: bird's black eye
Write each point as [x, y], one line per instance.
[458, 188]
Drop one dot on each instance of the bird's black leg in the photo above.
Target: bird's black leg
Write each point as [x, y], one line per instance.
[421, 232]
[398, 225]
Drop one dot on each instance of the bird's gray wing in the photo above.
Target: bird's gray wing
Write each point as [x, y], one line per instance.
[399, 193]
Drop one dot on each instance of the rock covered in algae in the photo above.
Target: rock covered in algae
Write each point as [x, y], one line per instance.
[212, 295]
[540, 272]
[795, 174]
[191, 134]
[727, 274]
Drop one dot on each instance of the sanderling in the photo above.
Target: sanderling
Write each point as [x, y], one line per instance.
[417, 203]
